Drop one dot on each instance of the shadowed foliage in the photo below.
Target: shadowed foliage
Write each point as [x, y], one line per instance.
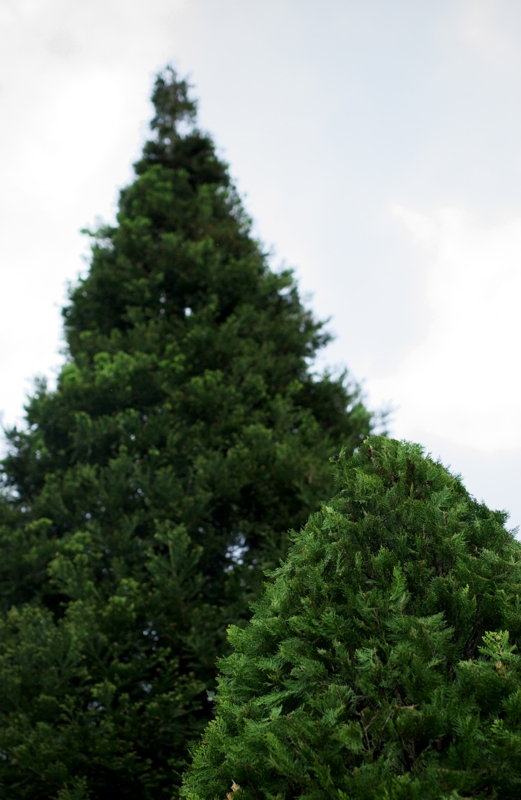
[149, 490]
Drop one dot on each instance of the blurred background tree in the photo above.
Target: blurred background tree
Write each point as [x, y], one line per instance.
[147, 493]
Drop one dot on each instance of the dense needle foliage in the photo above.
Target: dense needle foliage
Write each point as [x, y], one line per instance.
[383, 661]
[151, 488]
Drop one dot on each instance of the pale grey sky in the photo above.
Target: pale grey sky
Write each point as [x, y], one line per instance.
[378, 146]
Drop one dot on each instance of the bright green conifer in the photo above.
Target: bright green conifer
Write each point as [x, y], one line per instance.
[384, 660]
[153, 486]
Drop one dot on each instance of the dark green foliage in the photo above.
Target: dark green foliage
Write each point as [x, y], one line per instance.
[153, 486]
[383, 661]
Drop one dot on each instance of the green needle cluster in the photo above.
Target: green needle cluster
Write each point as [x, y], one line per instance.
[383, 660]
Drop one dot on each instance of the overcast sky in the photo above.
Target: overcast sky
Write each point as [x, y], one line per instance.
[378, 148]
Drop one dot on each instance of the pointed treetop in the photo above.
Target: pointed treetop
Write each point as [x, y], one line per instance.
[172, 104]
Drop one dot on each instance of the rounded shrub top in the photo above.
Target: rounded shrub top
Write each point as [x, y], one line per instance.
[382, 661]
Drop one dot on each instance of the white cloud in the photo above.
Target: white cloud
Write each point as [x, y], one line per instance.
[462, 381]
[483, 27]
[74, 85]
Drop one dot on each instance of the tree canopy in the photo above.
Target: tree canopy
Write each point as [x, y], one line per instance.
[383, 660]
[150, 489]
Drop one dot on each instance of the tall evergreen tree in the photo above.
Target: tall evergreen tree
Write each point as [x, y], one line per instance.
[384, 660]
[150, 490]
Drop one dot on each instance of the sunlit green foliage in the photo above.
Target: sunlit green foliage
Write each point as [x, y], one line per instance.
[383, 661]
